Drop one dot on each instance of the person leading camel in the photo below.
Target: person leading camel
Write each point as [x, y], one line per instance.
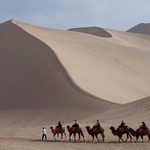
[44, 134]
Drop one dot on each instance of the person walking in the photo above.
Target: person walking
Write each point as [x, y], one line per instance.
[44, 134]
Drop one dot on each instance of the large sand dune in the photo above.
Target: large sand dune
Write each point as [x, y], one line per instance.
[35, 88]
[115, 69]
[48, 75]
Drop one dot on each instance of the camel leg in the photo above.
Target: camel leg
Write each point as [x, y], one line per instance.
[93, 136]
[142, 137]
[137, 138]
[120, 137]
[148, 138]
[54, 136]
[97, 137]
[74, 136]
[61, 136]
[127, 137]
[82, 136]
[130, 137]
[65, 135]
[103, 136]
[79, 136]
[70, 136]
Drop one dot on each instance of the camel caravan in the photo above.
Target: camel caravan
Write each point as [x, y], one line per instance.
[97, 129]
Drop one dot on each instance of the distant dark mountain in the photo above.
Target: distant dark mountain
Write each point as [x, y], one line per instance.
[142, 28]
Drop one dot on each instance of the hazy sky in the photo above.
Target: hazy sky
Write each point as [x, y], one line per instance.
[64, 14]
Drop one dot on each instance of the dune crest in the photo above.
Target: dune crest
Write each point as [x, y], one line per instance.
[93, 31]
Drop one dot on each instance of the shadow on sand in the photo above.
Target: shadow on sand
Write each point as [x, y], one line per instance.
[87, 142]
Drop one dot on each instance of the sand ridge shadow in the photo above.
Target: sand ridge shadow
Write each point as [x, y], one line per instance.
[96, 31]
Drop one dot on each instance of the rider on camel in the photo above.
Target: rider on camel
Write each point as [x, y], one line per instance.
[143, 126]
[76, 124]
[122, 125]
[59, 126]
[96, 125]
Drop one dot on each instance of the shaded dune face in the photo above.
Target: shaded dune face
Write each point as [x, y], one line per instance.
[141, 28]
[33, 80]
[93, 31]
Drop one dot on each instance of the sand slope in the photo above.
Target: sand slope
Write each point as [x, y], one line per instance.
[116, 68]
[132, 113]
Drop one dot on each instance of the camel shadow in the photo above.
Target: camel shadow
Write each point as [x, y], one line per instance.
[87, 142]
[66, 141]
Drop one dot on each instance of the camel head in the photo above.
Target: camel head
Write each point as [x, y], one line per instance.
[52, 127]
[68, 127]
[87, 127]
[112, 128]
[130, 129]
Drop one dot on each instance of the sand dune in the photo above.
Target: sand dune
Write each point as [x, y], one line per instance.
[115, 69]
[35, 86]
[142, 28]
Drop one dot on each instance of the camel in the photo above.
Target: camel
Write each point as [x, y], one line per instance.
[100, 130]
[141, 134]
[77, 130]
[60, 131]
[120, 133]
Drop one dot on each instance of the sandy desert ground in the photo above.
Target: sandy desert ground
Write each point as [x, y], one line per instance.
[47, 75]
